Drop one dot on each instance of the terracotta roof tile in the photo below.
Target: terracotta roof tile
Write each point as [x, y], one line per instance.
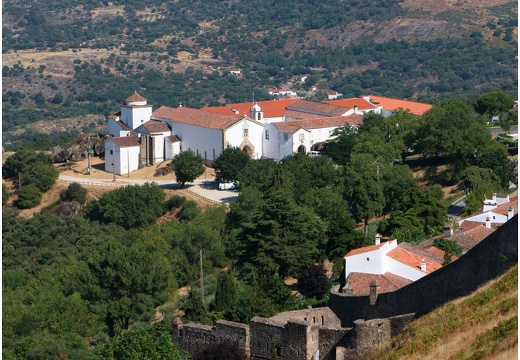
[318, 107]
[135, 97]
[174, 138]
[364, 249]
[434, 254]
[115, 115]
[271, 108]
[126, 141]
[318, 123]
[469, 238]
[413, 260]
[361, 103]
[503, 209]
[155, 126]
[197, 117]
[298, 115]
[416, 108]
[123, 126]
[359, 283]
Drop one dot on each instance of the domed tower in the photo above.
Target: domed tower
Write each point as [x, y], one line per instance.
[135, 111]
[257, 113]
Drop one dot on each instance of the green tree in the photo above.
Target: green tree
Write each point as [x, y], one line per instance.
[341, 147]
[363, 188]
[129, 206]
[493, 103]
[448, 246]
[256, 173]
[28, 197]
[137, 345]
[226, 296]
[187, 166]
[230, 163]
[313, 282]
[195, 310]
[42, 175]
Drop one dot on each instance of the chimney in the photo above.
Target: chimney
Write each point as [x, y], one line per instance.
[355, 109]
[423, 265]
[488, 222]
[378, 239]
[495, 197]
[510, 213]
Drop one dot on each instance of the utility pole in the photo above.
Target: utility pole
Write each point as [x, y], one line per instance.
[201, 276]
[128, 162]
[88, 155]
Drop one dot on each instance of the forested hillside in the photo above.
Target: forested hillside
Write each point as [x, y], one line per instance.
[64, 59]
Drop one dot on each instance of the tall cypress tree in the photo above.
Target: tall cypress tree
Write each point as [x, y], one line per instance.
[226, 295]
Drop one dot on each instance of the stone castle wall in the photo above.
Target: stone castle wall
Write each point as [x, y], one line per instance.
[486, 261]
[351, 325]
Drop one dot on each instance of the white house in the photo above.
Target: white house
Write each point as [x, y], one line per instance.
[285, 138]
[390, 264]
[497, 210]
[122, 154]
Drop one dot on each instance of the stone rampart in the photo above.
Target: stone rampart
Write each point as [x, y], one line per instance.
[491, 258]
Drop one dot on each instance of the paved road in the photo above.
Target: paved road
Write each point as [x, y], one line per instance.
[495, 130]
[205, 188]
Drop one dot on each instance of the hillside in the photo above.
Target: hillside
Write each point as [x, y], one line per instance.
[483, 325]
[67, 60]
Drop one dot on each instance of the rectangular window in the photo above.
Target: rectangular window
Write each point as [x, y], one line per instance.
[286, 137]
[246, 132]
[302, 137]
[267, 134]
[111, 152]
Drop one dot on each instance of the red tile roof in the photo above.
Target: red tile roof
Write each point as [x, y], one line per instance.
[135, 97]
[503, 209]
[300, 115]
[416, 108]
[155, 126]
[123, 126]
[413, 260]
[361, 103]
[469, 238]
[320, 107]
[359, 283]
[126, 141]
[196, 117]
[319, 123]
[365, 249]
[174, 138]
[271, 108]
[115, 115]
[431, 252]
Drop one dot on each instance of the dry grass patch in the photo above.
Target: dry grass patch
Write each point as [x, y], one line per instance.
[480, 326]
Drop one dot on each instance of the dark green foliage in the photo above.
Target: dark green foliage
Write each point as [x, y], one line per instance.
[187, 167]
[256, 173]
[448, 246]
[129, 206]
[495, 158]
[9, 214]
[363, 188]
[42, 175]
[74, 192]
[189, 210]
[138, 344]
[5, 194]
[410, 235]
[226, 296]
[195, 310]
[493, 103]
[225, 350]
[175, 202]
[230, 163]
[22, 161]
[280, 239]
[340, 149]
[313, 282]
[28, 197]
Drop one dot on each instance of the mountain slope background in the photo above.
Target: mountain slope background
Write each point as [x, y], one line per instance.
[66, 60]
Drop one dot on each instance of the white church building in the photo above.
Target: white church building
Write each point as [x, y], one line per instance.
[267, 129]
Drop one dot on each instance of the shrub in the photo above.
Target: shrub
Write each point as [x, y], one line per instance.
[29, 197]
[75, 192]
[5, 195]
